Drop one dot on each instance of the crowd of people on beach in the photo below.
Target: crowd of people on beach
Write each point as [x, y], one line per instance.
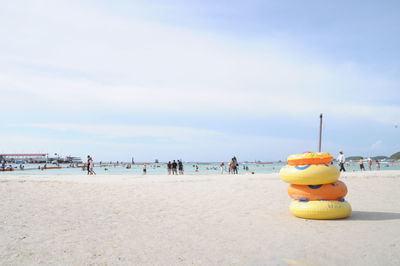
[369, 162]
[175, 167]
[232, 167]
[341, 160]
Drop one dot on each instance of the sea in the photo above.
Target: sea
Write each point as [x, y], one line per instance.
[190, 168]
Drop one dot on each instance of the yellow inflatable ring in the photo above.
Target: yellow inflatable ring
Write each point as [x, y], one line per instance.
[321, 210]
[310, 158]
[312, 174]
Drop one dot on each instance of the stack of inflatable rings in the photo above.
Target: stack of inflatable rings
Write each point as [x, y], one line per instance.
[315, 188]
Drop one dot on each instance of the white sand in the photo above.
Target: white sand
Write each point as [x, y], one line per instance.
[191, 220]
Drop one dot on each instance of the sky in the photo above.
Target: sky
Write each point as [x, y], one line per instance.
[199, 80]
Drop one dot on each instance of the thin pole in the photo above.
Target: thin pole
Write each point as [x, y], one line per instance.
[320, 132]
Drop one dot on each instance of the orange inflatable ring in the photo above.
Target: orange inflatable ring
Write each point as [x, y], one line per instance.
[310, 158]
[332, 191]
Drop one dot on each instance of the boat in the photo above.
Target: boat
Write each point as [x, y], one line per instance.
[6, 169]
[51, 167]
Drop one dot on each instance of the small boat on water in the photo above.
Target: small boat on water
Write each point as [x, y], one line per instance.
[6, 169]
[52, 167]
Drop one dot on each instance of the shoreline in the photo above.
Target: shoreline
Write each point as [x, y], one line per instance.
[163, 177]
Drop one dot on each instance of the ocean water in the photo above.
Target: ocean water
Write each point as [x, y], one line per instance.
[152, 169]
[189, 169]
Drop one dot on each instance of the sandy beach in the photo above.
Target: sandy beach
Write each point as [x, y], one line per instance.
[191, 220]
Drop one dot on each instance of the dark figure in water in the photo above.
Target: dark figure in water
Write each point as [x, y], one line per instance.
[235, 165]
[174, 168]
[180, 167]
[169, 167]
[88, 164]
[361, 165]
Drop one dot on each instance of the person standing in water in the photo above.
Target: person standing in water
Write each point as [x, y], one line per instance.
[169, 167]
[174, 168]
[90, 166]
[180, 167]
[361, 162]
[236, 165]
[232, 167]
[378, 165]
[370, 164]
[341, 159]
[222, 167]
[144, 170]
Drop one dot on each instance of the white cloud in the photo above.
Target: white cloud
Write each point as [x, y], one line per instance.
[101, 62]
[66, 58]
[124, 131]
[26, 143]
[118, 141]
